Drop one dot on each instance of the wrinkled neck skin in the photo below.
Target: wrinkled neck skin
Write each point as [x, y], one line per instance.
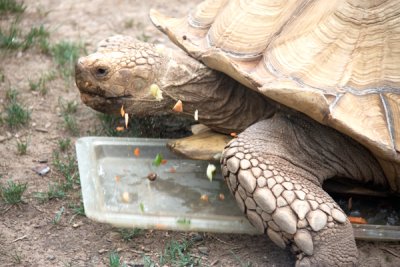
[223, 104]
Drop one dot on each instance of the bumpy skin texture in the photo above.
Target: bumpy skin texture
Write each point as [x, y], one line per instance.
[122, 71]
[275, 170]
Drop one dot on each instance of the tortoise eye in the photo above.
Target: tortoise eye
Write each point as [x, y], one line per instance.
[101, 72]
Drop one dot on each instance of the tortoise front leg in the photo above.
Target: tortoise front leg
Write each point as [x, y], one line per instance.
[274, 170]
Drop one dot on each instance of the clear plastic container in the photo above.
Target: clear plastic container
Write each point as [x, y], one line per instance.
[116, 190]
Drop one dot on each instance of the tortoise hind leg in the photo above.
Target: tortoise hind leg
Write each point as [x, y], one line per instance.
[278, 186]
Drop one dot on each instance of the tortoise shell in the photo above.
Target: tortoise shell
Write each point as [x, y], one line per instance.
[336, 61]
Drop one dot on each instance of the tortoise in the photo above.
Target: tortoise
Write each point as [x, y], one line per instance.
[311, 87]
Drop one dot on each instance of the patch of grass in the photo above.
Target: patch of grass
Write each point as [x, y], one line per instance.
[55, 191]
[12, 192]
[16, 257]
[67, 166]
[143, 37]
[13, 38]
[68, 107]
[11, 6]
[177, 254]
[22, 147]
[148, 262]
[38, 36]
[57, 217]
[11, 95]
[67, 110]
[16, 114]
[108, 124]
[65, 54]
[71, 125]
[40, 84]
[64, 144]
[129, 234]
[115, 260]
[78, 209]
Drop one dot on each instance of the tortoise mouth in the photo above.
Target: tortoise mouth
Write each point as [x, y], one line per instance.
[110, 105]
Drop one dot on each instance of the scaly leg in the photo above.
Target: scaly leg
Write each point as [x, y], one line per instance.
[275, 170]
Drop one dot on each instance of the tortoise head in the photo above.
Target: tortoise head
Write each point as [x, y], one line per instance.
[120, 72]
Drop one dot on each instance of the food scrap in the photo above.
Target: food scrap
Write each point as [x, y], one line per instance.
[204, 198]
[172, 170]
[221, 197]
[119, 128]
[157, 160]
[234, 135]
[196, 115]
[183, 221]
[164, 161]
[156, 92]
[125, 197]
[178, 106]
[122, 111]
[117, 178]
[141, 206]
[152, 176]
[41, 169]
[126, 120]
[357, 220]
[210, 171]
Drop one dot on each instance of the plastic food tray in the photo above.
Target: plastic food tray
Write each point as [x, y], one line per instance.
[116, 190]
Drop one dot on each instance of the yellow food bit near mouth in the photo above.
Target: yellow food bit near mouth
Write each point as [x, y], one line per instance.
[156, 92]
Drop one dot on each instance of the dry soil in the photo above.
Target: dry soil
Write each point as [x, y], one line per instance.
[28, 234]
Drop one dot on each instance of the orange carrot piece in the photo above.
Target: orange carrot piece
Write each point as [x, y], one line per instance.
[122, 111]
[164, 161]
[204, 198]
[119, 129]
[136, 152]
[178, 106]
[357, 220]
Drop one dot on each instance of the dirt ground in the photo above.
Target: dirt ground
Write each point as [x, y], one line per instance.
[29, 235]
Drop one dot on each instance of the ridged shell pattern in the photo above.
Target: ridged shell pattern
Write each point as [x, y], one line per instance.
[336, 61]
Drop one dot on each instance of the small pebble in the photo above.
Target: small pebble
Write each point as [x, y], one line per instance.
[152, 176]
[101, 251]
[51, 257]
[203, 250]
